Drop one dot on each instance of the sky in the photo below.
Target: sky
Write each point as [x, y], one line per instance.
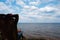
[32, 11]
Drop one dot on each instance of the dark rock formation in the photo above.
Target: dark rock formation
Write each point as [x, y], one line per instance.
[8, 26]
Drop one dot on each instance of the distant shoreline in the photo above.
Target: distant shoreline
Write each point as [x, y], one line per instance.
[38, 23]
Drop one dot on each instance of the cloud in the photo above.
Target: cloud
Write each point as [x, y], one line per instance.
[5, 8]
[20, 2]
[46, 1]
[30, 10]
[44, 14]
[47, 8]
[35, 3]
[24, 19]
[9, 2]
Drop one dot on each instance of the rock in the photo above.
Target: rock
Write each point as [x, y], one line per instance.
[8, 26]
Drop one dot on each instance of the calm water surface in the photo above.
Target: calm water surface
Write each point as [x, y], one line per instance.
[40, 29]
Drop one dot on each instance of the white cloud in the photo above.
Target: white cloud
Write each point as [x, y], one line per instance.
[9, 1]
[34, 3]
[33, 7]
[39, 15]
[20, 2]
[46, 1]
[30, 7]
[47, 9]
[24, 19]
[31, 13]
[3, 6]
[27, 7]
[33, 10]
[29, 10]
[6, 9]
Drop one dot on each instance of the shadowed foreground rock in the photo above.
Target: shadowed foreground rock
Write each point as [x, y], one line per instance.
[8, 26]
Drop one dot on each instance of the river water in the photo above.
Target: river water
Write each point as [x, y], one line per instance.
[40, 29]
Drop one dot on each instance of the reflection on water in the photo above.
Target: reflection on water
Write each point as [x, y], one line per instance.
[40, 29]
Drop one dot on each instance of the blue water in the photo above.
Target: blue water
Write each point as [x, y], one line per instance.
[40, 29]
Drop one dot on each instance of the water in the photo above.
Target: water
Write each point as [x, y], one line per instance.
[40, 29]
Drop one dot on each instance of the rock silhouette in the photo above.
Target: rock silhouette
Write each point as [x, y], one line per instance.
[8, 26]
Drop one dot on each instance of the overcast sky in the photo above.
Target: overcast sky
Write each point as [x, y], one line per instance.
[33, 11]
